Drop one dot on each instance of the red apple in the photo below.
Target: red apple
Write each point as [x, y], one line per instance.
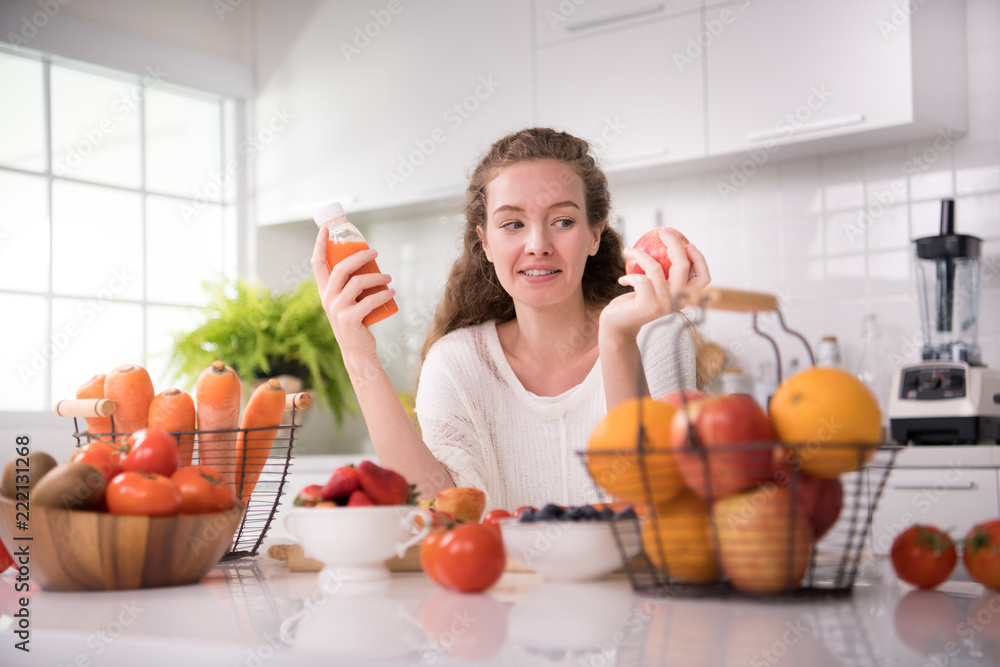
[651, 244]
[732, 434]
[679, 397]
[822, 499]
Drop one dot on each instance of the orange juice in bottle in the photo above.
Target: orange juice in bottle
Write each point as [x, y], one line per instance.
[345, 240]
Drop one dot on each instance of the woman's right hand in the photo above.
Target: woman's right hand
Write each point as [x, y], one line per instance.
[339, 292]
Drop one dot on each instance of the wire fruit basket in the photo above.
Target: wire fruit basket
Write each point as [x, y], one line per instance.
[263, 501]
[722, 517]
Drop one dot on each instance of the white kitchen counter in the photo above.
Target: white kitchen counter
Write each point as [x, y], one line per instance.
[253, 612]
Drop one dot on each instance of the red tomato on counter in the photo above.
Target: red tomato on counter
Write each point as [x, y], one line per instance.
[923, 556]
[981, 553]
[468, 558]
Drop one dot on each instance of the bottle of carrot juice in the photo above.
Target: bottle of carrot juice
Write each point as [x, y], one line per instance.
[345, 240]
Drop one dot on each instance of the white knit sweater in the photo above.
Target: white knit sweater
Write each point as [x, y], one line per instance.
[491, 433]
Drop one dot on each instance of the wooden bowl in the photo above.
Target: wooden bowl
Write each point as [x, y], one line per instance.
[73, 550]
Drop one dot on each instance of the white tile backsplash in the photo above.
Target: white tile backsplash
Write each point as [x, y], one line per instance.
[887, 227]
[846, 277]
[803, 236]
[889, 273]
[844, 232]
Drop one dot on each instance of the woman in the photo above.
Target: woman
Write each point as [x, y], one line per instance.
[538, 333]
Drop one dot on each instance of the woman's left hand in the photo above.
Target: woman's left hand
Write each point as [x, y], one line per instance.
[654, 293]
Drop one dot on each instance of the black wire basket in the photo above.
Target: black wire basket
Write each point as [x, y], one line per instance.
[755, 533]
[262, 496]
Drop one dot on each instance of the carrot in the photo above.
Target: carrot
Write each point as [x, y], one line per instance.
[217, 396]
[94, 388]
[264, 410]
[131, 389]
[173, 410]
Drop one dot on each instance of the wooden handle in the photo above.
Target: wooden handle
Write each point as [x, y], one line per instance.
[85, 407]
[723, 298]
[299, 401]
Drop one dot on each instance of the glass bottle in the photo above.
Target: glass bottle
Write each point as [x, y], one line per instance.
[344, 241]
[828, 353]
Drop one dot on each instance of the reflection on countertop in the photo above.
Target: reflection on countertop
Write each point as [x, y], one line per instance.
[255, 613]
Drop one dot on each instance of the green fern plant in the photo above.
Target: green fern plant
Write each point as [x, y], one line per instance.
[261, 333]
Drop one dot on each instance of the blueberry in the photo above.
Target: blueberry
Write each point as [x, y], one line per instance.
[627, 513]
[528, 515]
[589, 513]
[574, 513]
[606, 514]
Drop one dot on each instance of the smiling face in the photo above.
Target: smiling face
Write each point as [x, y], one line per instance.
[536, 233]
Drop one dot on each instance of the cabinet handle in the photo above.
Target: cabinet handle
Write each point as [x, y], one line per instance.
[635, 157]
[815, 126]
[614, 18]
[932, 486]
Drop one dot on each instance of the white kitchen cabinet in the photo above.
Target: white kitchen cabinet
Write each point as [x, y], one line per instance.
[786, 71]
[623, 91]
[391, 101]
[562, 19]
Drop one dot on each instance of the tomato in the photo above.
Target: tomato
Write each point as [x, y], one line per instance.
[5, 559]
[152, 450]
[468, 558]
[923, 556]
[203, 490]
[981, 553]
[520, 510]
[104, 456]
[144, 494]
[492, 518]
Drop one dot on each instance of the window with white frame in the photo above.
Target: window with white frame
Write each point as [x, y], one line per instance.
[115, 206]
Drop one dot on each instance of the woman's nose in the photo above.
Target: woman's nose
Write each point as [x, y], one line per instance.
[538, 241]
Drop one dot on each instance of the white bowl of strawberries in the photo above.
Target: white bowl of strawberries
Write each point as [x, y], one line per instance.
[360, 518]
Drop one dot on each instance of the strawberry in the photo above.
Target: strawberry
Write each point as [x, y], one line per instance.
[308, 496]
[384, 486]
[359, 499]
[342, 483]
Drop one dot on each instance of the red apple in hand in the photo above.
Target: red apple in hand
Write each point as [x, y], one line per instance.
[727, 430]
[651, 244]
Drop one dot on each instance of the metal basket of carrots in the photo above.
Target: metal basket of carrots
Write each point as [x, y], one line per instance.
[251, 451]
[737, 499]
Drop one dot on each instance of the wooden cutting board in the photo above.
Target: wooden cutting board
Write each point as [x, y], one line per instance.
[410, 562]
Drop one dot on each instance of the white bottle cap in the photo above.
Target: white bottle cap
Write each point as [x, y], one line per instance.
[327, 213]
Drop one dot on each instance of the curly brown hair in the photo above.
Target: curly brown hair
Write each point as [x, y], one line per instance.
[473, 293]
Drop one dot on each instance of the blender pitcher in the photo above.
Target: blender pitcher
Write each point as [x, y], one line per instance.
[947, 276]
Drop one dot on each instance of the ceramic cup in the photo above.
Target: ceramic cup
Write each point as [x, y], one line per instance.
[353, 543]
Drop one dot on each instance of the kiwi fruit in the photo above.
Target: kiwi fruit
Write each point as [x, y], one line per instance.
[72, 485]
[39, 463]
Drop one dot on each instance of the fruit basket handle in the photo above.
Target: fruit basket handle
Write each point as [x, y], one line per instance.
[85, 407]
[299, 401]
[724, 298]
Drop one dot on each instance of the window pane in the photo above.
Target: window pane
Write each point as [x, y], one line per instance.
[24, 232]
[24, 336]
[162, 322]
[97, 242]
[22, 116]
[183, 146]
[95, 127]
[184, 249]
[99, 336]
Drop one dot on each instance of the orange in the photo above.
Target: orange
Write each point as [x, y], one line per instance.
[679, 540]
[614, 459]
[832, 416]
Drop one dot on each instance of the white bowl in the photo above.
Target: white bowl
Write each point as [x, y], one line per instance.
[353, 543]
[568, 551]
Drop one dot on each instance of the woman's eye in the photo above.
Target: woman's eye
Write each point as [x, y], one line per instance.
[565, 222]
[512, 225]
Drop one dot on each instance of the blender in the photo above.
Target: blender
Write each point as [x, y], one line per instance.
[949, 398]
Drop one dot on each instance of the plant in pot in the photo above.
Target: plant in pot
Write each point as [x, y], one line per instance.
[261, 334]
